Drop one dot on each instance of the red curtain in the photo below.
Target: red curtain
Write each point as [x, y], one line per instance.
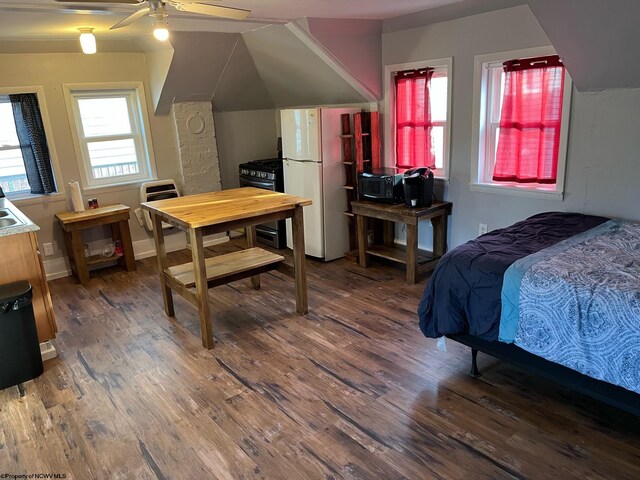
[413, 119]
[529, 135]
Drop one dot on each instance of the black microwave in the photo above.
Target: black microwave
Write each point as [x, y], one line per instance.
[383, 185]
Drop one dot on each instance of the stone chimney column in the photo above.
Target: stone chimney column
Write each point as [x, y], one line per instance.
[199, 168]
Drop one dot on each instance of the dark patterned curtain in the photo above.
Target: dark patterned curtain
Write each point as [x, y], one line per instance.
[33, 142]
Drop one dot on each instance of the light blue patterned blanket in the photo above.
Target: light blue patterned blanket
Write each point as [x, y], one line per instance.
[577, 303]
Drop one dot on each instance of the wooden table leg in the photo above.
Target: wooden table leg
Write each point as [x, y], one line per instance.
[120, 231]
[297, 222]
[69, 246]
[127, 246]
[388, 232]
[161, 255]
[362, 240]
[412, 253]
[252, 240]
[202, 288]
[77, 251]
[439, 225]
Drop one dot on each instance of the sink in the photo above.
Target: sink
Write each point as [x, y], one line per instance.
[10, 219]
[7, 222]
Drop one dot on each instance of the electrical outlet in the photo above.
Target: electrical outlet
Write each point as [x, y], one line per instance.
[48, 249]
[482, 229]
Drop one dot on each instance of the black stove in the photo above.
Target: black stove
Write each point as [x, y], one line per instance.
[267, 169]
[265, 165]
[269, 175]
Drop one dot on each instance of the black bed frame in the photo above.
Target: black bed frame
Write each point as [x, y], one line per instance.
[605, 392]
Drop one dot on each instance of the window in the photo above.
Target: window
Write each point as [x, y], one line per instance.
[521, 123]
[26, 160]
[418, 115]
[13, 176]
[110, 134]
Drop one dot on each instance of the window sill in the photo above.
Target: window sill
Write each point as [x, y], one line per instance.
[517, 191]
[117, 187]
[26, 199]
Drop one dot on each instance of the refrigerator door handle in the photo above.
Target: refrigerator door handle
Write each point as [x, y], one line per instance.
[301, 161]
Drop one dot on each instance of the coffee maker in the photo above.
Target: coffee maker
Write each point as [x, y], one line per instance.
[418, 187]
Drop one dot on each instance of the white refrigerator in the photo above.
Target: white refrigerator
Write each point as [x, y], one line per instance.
[312, 151]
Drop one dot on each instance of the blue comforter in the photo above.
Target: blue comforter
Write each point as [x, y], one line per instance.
[577, 303]
[463, 294]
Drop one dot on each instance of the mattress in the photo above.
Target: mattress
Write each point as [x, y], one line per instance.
[577, 303]
[463, 295]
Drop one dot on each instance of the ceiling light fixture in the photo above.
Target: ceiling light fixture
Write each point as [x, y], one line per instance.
[161, 29]
[87, 41]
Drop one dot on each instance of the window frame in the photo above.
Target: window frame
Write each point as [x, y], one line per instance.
[481, 142]
[6, 148]
[53, 156]
[141, 132]
[390, 111]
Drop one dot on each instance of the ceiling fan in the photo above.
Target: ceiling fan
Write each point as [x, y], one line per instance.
[157, 10]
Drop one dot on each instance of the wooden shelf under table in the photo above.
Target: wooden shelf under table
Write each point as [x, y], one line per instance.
[398, 253]
[100, 259]
[227, 268]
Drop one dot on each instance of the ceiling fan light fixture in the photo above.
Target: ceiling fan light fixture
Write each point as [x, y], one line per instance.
[87, 41]
[161, 29]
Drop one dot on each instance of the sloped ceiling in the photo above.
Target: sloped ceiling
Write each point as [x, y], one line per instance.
[266, 68]
[198, 63]
[356, 44]
[446, 12]
[596, 39]
[241, 87]
[292, 73]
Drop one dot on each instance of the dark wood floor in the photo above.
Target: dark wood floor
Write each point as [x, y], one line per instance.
[351, 390]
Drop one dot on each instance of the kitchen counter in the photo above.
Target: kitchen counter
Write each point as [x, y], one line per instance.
[16, 221]
[21, 261]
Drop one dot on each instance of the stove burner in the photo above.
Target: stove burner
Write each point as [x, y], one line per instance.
[267, 169]
[270, 165]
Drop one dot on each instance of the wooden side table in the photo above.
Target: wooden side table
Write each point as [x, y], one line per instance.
[72, 223]
[417, 261]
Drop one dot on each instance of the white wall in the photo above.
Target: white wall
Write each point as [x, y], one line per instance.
[242, 137]
[602, 164]
[53, 70]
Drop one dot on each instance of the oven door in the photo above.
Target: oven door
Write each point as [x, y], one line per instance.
[254, 182]
[271, 227]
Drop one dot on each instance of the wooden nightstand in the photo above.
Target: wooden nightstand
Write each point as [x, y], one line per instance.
[72, 223]
[417, 261]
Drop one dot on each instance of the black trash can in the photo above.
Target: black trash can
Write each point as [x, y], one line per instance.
[20, 358]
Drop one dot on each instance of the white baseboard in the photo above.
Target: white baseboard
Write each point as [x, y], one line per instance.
[59, 267]
[56, 268]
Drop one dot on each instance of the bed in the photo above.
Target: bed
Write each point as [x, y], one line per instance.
[557, 294]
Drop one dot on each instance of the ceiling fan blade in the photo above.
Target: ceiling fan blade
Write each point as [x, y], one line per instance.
[131, 18]
[213, 10]
[126, 2]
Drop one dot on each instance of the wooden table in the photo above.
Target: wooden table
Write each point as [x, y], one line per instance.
[210, 213]
[72, 223]
[417, 261]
